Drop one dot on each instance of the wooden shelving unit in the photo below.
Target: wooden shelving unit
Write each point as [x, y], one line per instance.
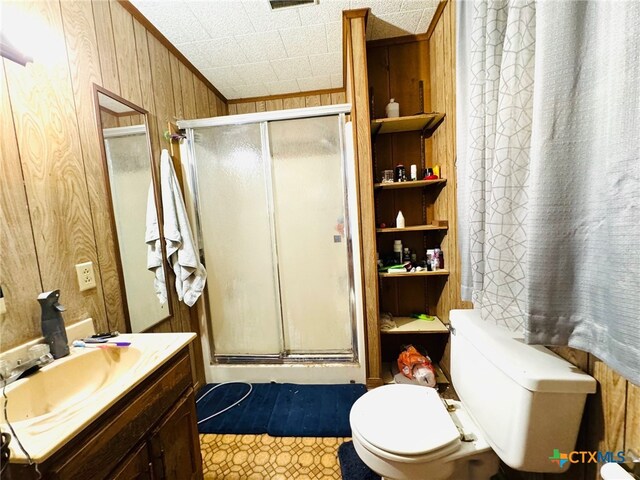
[414, 325]
[427, 123]
[443, 225]
[410, 184]
[388, 377]
[435, 273]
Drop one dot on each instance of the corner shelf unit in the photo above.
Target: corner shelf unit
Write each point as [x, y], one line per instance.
[409, 184]
[438, 225]
[426, 273]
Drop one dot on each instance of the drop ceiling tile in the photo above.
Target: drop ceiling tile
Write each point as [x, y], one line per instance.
[222, 18]
[223, 76]
[396, 24]
[325, 64]
[255, 90]
[262, 46]
[334, 36]
[181, 28]
[324, 12]
[264, 19]
[252, 73]
[307, 40]
[378, 7]
[409, 5]
[425, 20]
[286, 86]
[219, 52]
[289, 68]
[336, 81]
[314, 83]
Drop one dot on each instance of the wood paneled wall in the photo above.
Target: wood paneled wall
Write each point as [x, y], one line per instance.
[284, 102]
[612, 416]
[54, 209]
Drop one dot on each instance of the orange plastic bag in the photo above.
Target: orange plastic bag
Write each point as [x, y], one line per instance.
[417, 367]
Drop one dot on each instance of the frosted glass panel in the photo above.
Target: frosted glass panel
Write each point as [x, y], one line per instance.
[130, 182]
[312, 248]
[236, 235]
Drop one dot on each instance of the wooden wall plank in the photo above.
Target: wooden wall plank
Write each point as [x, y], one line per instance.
[126, 56]
[249, 107]
[233, 109]
[338, 98]
[84, 66]
[213, 106]
[162, 86]
[261, 106]
[176, 84]
[19, 275]
[106, 45]
[48, 140]
[293, 102]
[312, 101]
[271, 105]
[325, 99]
[188, 95]
[202, 98]
[222, 107]
[632, 434]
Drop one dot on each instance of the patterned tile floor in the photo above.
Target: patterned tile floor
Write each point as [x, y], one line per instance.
[262, 457]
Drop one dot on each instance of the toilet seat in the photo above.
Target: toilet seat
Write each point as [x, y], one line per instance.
[406, 423]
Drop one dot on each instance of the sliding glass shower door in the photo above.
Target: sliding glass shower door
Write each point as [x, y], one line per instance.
[274, 227]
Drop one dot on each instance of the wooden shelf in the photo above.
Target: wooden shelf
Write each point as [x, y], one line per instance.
[409, 184]
[442, 225]
[426, 123]
[415, 274]
[388, 377]
[414, 325]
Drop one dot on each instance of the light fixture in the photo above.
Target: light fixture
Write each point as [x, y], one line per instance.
[10, 52]
[278, 4]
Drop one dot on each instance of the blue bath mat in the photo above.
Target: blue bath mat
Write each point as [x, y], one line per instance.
[250, 417]
[314, 410]
[351, 466]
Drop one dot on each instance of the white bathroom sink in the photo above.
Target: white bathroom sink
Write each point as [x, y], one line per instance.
[63, 384]
[51, 406]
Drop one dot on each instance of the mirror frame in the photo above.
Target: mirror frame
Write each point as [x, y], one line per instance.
[97, 89]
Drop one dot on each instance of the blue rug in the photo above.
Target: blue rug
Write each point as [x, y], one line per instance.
[351, 466]
[280, 409]
[314, 410]
[249, 417]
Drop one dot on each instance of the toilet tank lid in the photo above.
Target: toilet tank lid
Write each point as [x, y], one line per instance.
[534, 367]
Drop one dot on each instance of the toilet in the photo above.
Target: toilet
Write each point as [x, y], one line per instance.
[518, 403]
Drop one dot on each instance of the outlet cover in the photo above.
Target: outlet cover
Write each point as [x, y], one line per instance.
[86, 277]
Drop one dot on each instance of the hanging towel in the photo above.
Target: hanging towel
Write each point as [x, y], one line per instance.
[182, 251]
[154, 250]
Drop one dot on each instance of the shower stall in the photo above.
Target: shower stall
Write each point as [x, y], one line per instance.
[273, 200]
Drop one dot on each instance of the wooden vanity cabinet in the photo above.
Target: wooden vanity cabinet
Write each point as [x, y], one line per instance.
[150, 434]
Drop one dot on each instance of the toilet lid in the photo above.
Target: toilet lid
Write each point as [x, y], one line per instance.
[404, 419]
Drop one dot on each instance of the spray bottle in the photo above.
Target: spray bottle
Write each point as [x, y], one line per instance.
[53, 329]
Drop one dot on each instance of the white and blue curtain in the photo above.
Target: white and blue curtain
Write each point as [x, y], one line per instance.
[548, 97]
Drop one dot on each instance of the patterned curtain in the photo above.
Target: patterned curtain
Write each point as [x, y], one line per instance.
[548, 168]
[495, 102]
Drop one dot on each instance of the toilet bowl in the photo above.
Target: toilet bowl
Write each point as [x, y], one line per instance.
[404, 432]
[518, 403]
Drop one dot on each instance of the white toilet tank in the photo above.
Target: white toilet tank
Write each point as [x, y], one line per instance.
[527, 400]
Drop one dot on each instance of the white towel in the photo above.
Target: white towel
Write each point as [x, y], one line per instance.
[182, 251]
[154, 250]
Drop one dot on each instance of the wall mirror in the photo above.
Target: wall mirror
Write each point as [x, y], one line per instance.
[126, 151]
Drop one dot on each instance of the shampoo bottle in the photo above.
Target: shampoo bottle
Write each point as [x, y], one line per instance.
[392, 109]
[400, 220]
[53, 329]
[397, 251]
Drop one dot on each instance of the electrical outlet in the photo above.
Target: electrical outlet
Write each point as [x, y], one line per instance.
[86, 277]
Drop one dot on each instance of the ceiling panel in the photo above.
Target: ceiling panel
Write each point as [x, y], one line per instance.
[245, 49]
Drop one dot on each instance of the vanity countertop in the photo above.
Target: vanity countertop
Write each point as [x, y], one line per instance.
[50, 407]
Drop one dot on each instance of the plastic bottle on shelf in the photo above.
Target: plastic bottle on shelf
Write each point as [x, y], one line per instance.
[400, 220]
[397, 251]
[392, 109]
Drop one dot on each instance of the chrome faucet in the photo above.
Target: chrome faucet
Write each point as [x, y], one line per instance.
[22, 369]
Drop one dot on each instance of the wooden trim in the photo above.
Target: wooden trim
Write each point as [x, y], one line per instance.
[135, 13]
[285, 95]
[436, 18]
[356, 13]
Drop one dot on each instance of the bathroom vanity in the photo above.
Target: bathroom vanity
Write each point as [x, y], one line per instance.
[137, 424]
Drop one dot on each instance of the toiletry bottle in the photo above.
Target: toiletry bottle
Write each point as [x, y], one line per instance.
[397, 251]
[399, 173]
[406, 256]
[414, 172]
[53, 329]
[440, 257]
[429, 260]
[400, 220]
[392, 109]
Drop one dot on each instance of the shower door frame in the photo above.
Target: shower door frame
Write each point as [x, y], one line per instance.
[350, 357]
